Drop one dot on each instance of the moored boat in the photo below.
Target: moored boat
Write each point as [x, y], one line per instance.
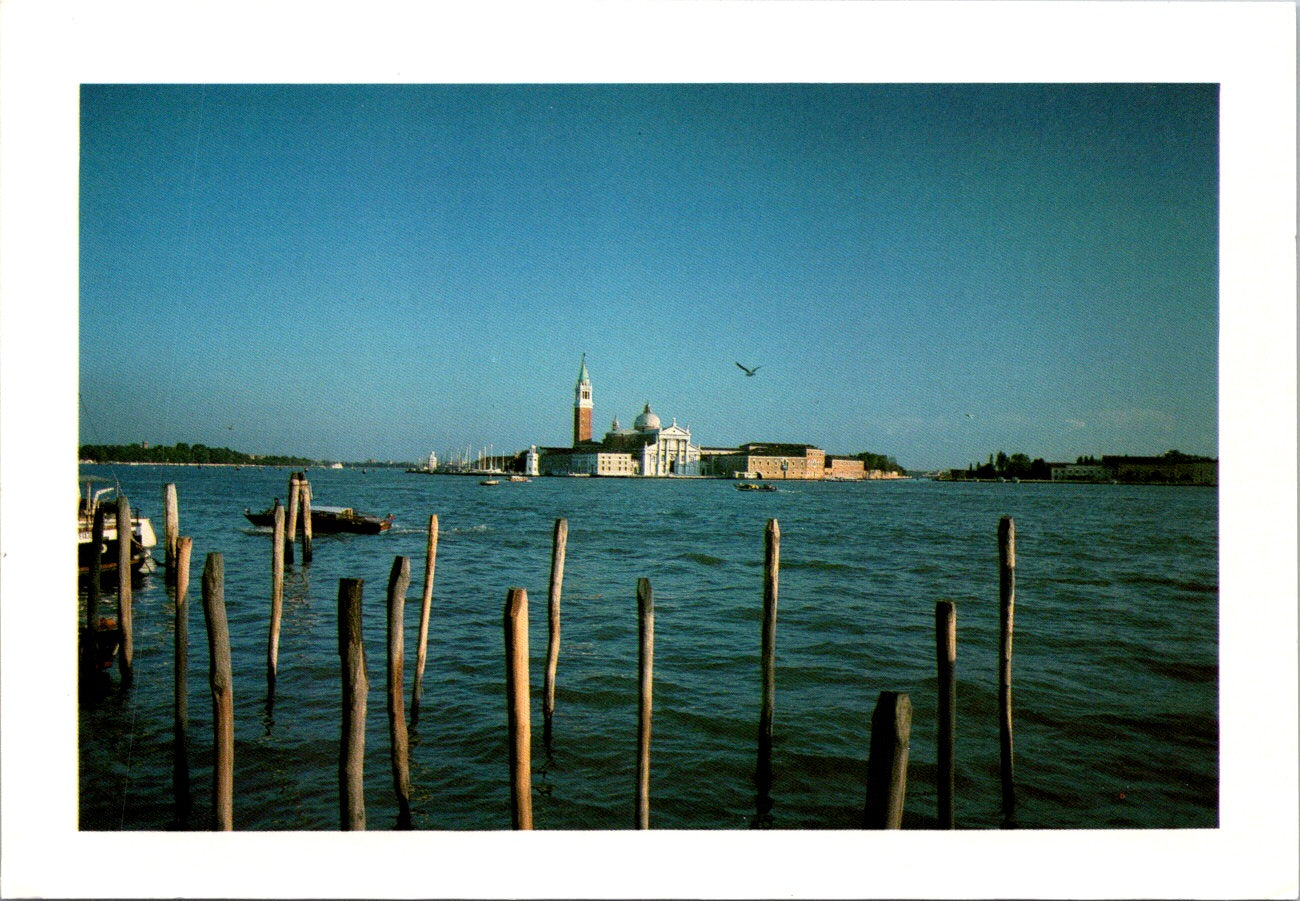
[142, 535]
[98, 644]
[331, 520]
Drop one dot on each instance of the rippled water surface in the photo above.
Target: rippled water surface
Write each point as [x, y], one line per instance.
[1115, 652]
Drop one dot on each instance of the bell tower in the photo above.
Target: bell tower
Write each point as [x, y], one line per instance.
[582, 405]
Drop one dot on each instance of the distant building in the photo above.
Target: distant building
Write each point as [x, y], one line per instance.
[767, 460]
[1173, 468]
[1079, 472]
[757, 460]
[647, 449]
[771, 461]
[848, 469]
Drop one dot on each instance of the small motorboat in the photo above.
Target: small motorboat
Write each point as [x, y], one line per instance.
[142, 534]
[330, 520]
[490, 482]
[749, 486]
[520, 479]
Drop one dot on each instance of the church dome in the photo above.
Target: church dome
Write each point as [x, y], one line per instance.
[647, 421]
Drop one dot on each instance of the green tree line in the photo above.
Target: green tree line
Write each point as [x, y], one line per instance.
[1015, 466]
[181, 453]
[878, 461]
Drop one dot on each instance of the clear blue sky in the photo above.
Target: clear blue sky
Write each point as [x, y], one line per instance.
[932, 272]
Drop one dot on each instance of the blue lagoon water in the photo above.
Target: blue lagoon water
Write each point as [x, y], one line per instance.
[1115, 652]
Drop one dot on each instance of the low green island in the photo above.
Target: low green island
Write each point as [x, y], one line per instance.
[182, 453]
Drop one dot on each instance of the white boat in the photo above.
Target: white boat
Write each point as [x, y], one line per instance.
[142, 534]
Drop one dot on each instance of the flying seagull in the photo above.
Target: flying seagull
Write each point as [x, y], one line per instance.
[749, 372]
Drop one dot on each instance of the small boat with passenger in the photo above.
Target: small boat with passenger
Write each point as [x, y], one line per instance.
[330, 520]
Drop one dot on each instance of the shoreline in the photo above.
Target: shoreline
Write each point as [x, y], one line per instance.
[666, 478]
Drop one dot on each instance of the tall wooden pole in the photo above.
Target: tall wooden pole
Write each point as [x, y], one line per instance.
[127, 654]
[771, 577]
[1007, 599]
[277, 599]
[223, 704]
[426, 603]
[171, 531]
[398, 581]
[96, 570]
[646, 621]
[352, 747]
[518, 719]
[559, 540]
[181, 699]
[291, 525]
[891, 730]
[304, 492]
[945, 632]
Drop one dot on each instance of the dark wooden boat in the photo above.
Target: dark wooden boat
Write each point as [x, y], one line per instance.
[99, 644]
[330, 520]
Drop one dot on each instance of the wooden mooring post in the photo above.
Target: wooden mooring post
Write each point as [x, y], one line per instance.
[181, 693]
[352, 746]
[399, 578]
[645, 604]
[277, 599]
[291, 513]
[1007, 605]
[223, 705]
[126, 654]
[771, 579]
[518, 719]
[96, 571]
[559, 541]
[945, 636]
[426, 604]
[891, 730]
[304, 493]
[171, 532]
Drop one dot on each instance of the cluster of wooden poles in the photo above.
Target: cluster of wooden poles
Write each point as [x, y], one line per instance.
[100, 635]
[890, 722]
